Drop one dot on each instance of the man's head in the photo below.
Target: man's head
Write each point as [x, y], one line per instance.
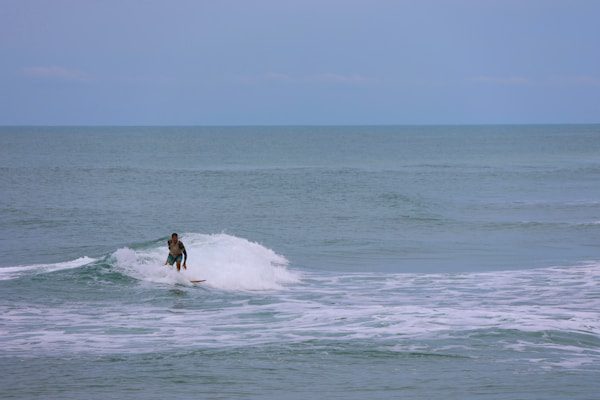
[174, 237]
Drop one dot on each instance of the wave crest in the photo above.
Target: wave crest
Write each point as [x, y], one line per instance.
[226, 262]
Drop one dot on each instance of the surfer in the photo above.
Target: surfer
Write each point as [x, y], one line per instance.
[176, 248]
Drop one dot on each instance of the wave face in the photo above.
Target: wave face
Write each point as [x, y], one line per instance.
[226, 262]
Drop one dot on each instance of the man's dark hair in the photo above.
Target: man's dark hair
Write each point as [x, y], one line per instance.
[174, 234]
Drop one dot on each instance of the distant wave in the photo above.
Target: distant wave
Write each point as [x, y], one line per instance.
[540, 224]
[544, 204]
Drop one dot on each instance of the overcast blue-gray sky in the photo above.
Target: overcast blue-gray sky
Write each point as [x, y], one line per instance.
[299, 62]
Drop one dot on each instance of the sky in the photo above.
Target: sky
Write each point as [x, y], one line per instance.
[286, 62]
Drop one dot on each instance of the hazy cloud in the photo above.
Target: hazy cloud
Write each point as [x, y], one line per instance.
[276, 77]
[327, 78]
[499, 80]
[574, 80]
[58, 73]
[342, 79]
[581, 80]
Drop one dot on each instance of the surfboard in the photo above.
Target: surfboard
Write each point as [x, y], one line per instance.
[198, 281]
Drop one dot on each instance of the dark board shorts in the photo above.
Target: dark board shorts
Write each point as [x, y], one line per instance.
[172, 259]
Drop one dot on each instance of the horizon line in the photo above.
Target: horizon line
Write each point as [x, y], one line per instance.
[289, 125]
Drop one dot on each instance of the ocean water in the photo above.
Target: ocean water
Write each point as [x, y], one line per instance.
[340, 262]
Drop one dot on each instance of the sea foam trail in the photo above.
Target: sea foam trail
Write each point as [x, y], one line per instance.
[226, 262]
[7, 273]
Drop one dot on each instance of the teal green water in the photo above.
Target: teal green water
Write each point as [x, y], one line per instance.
[341, 262]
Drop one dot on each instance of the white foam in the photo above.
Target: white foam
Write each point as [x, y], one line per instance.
[550, 312]
[20, 270]
[226, 262]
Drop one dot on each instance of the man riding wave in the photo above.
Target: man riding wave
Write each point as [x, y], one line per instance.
[176, 249]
